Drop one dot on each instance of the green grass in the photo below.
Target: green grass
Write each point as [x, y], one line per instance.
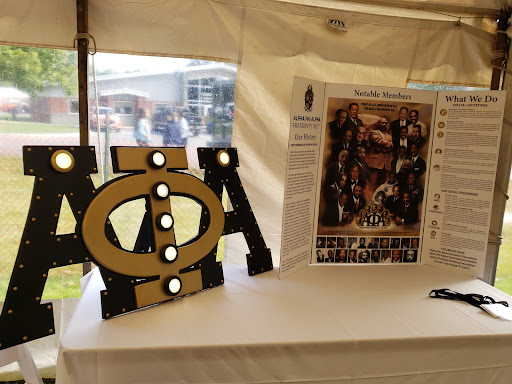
[34, 128]
[17, 191]
[504, 270]
[19, 117]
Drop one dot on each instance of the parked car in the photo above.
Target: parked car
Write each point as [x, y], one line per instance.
[114, 119]
[16, 106]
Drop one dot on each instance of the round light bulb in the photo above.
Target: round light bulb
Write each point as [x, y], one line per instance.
[62, 161]
[223, 158]
[157, 159]
[174, 285]
[162, 190]
[170, 253]
[166, 221]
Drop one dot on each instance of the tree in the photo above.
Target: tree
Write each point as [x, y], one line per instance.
[32, 69]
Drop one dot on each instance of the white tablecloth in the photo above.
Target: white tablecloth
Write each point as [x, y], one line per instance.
[324, 324]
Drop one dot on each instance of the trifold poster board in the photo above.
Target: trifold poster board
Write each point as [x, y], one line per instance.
[385, 176]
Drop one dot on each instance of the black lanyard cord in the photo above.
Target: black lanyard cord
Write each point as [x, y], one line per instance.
[471, 298]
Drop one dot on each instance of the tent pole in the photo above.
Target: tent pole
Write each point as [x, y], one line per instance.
[83, 48]
[501, 45]
[82, 25]
[505, 153]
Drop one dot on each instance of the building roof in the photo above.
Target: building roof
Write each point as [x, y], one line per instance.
[13, 93]
[124, 91]
[217, 66]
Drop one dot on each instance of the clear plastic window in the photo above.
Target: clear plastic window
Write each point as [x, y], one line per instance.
[39, 106]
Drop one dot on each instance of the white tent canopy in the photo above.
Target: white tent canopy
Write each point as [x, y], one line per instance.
[273, 41]
[477, 7]
[387, 43]
[429, 45]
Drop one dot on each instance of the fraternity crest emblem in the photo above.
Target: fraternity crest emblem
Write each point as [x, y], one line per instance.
[375, 215]
[308, 99]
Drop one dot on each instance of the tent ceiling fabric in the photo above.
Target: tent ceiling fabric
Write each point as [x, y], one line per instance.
[274, 40]
[478, 7]
[201, 28]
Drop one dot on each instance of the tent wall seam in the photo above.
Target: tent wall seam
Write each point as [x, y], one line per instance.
[370, 19]
[453, 83]
[135, 53]
[413, 60]
[460, 13]
[434, 7]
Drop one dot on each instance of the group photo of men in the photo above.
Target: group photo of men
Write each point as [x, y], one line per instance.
[373, 156]
[366, 250]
